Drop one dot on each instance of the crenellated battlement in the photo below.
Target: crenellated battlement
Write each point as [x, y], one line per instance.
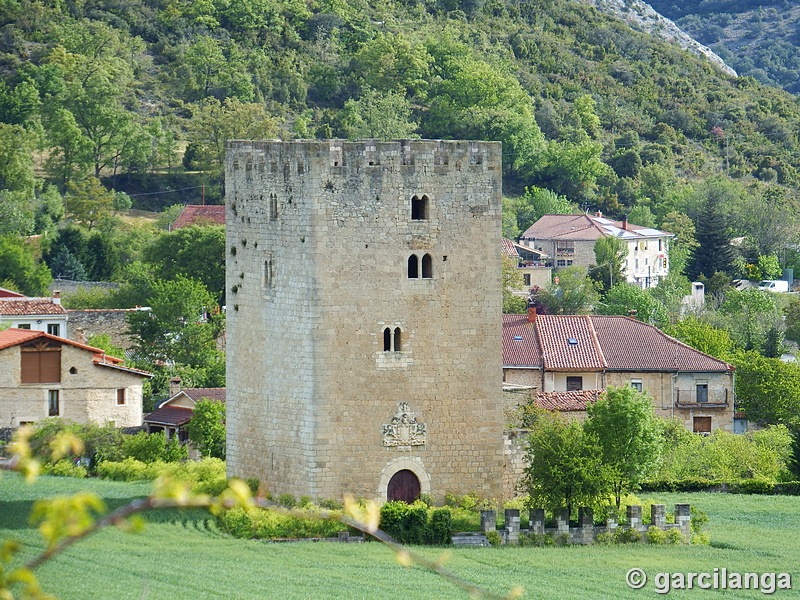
[294, 157]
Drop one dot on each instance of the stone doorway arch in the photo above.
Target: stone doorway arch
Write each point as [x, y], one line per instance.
[415, 469]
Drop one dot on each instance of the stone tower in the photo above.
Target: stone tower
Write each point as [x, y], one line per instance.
[363, 307]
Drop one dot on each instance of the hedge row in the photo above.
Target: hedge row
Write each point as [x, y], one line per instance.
[744, 486]
[415, 524]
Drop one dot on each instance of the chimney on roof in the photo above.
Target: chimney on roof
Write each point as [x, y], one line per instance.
[79, 335]
[174, 386]
[56, 296]
[625, 222]
[632, 313]
[531, 313]
[598, 214]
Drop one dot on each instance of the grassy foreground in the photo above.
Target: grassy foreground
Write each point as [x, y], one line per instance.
[182, 555]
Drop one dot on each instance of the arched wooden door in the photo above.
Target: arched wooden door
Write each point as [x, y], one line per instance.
[403, 487]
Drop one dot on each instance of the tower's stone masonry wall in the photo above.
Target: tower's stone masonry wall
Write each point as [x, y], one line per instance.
[319, 236]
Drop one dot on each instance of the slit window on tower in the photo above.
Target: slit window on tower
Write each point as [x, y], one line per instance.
[413, 267]
[387, 339]
[273, 207]
[398, 343]
[419, 208]
[427, 266]
[392, 340]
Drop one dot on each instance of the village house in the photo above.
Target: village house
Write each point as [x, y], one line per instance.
[172, 415]
[43, 376]
[534, 266]
[568, 360]
[36, 314]
[570, 240]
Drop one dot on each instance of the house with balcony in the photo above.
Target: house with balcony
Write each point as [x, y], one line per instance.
[566, 361]
[534, 266]
[570, 240]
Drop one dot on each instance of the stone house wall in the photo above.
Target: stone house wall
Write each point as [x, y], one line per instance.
[87, 395]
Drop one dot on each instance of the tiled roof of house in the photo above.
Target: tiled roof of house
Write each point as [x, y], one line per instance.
[569, 343]
[13, 337]
[200, 214]
[198, 394]
[509, 249]
[30, 306]
[586, 227]
[4, 293]
[601, 343]
[170, 415]
[567, 401]
[629, 344]
[520, 346]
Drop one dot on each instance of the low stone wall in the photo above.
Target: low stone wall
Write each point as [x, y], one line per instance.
[586, 532]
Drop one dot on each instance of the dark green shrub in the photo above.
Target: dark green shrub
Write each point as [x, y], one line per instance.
[753, 486]
[439, 531]
[152, 447]
[626, 535]
[287, 500]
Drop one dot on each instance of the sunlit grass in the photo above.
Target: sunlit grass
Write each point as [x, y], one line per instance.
[183, 555]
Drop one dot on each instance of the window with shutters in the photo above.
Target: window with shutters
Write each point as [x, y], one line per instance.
[40, 362]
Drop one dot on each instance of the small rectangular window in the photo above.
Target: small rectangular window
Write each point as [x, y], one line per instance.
[702, 424]
[54, 329]
[637, 385]
[121, 396]
[24, 326]
[574, 384]
[526, 277]
[52, 403]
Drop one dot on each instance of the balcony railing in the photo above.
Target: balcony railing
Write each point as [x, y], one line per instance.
[704, 399]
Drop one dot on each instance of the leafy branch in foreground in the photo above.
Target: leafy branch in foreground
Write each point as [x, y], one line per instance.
[63, 521]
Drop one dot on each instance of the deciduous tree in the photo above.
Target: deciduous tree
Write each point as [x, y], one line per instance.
[207, 428]
[623, 422]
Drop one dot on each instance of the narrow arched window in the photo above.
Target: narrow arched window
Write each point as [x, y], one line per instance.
[273, 207]
[413, 267]
[419, 208]
[398, 344]
[427, 266]
[387, 339]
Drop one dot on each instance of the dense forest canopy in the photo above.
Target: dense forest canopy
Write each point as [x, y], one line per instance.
[755, 38]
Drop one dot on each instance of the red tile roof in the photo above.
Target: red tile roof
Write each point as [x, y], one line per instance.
[603, 343]
[198, 394]
[4, 293]
[567, 401]
[30, 306]
[508, 248]
[520, 345]
[200, 214]
[629, 345]
[586, 227]
[13, 337]
[170, 415]
[569, 343]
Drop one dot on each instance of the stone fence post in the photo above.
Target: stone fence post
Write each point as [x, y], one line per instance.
[488, 521]
[683, 519]
[512, 525]
[537, 521]
[635, 517]
[658, 515]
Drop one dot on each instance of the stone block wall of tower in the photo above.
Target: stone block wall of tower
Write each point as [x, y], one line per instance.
[363, 304]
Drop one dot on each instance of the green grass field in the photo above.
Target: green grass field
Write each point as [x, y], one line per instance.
[183, 555]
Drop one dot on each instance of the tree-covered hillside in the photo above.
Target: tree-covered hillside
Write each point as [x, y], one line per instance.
[140, 95]
[756, 38]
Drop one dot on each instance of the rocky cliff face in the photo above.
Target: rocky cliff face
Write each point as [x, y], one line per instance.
[640, 15]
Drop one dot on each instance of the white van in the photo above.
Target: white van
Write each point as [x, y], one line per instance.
[774, 285]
